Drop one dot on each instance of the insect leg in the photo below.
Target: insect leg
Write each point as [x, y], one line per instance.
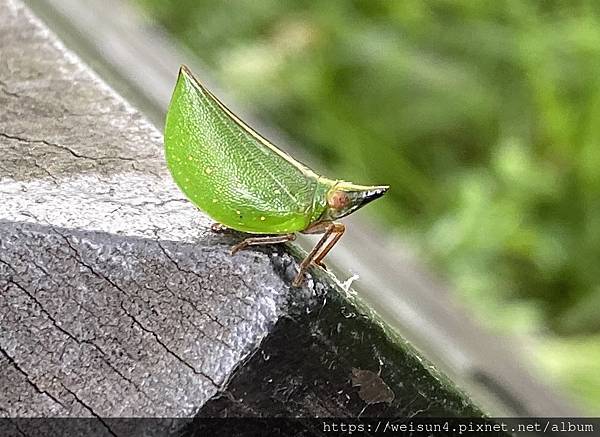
[306, 261]
[333, 228]
[258, 241]
[218, 227]
[338, 231]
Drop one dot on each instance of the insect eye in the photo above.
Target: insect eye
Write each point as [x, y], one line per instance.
[338, 200]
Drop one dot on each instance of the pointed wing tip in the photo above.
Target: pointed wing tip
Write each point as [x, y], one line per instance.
[184, 69]
[186, 73]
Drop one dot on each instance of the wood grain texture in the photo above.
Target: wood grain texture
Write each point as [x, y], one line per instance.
[116, 300]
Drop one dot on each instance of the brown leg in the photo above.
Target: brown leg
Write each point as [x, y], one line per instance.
[257, 241]
[338, 231]
[319, 228]
[315, 254]
[320, 264]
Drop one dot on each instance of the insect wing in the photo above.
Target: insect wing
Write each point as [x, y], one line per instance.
[229, 170]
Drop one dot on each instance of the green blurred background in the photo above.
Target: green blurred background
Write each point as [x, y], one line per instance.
[483, 116]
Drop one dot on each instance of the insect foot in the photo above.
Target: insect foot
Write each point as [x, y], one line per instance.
[218, 227]
[241, 245]
[299, 279]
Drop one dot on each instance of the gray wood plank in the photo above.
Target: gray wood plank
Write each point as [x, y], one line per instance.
[116, 300]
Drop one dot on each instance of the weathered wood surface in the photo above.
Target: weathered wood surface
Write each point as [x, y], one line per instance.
[117, 301]
[115, 298]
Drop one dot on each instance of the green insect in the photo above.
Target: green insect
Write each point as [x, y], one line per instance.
[244, 182]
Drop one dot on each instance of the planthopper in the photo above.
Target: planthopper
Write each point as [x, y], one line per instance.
[245, 183]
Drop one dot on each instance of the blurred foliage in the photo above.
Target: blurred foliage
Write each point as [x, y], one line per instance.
[484, 117]
[574, 362]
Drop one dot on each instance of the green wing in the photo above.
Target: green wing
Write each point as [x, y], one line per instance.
[228, 170]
